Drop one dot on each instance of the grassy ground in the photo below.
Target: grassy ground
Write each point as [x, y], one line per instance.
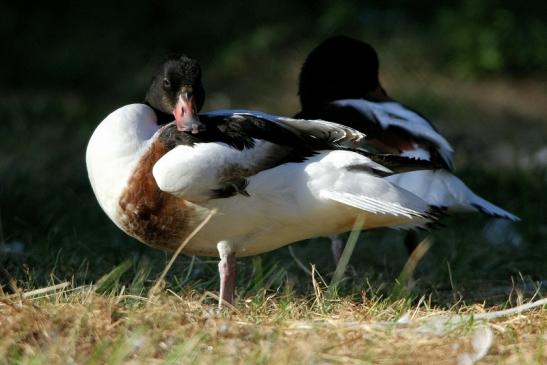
[77, 325]
[282, 314]
[52, 231]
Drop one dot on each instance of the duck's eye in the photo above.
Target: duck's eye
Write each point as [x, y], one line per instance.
[166, 83]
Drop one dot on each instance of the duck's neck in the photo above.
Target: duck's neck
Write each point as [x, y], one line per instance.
[162, 117]
[115, 149]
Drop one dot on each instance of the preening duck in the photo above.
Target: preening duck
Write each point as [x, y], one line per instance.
[339, 82]
[272, 180]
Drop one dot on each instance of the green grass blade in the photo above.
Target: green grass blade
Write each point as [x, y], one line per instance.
[401, 287]
[110, 280]
[144, 268]
[346, 255]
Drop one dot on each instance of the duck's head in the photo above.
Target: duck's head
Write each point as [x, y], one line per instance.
[339, 68]
[176, 90]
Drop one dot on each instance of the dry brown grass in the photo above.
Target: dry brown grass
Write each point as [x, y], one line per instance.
[80, 326]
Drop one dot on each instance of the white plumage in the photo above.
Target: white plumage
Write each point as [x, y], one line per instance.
[443, 189]
[439, 188]
[286, 203]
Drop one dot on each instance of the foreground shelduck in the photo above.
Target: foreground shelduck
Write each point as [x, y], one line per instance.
[273, 180]
[339, 83]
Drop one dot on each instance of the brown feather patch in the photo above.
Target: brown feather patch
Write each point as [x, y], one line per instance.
[150, 215]
[393, 142]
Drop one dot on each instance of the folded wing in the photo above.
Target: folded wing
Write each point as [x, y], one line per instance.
[394, 125]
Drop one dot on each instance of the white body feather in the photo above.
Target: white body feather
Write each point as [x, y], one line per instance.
[440, 188]
[443, 189]
[114, 151]
[287, 203]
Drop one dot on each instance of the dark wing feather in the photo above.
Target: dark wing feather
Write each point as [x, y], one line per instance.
[398, 164]
[383, 136]
[291, 140]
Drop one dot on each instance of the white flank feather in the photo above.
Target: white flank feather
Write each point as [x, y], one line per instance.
[371, 205]
[443, 189]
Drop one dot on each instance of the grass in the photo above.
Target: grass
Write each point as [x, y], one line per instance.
[78, 325]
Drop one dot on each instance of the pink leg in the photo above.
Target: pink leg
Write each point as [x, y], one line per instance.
[337, 246]
[227, 271]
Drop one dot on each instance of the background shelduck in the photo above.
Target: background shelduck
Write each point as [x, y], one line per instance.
[273, 180]
[339, 83]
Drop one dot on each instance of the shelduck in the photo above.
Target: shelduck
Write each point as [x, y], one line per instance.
[339, 82]
[273, 180]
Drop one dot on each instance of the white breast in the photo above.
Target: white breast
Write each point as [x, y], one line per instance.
[114, 150]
